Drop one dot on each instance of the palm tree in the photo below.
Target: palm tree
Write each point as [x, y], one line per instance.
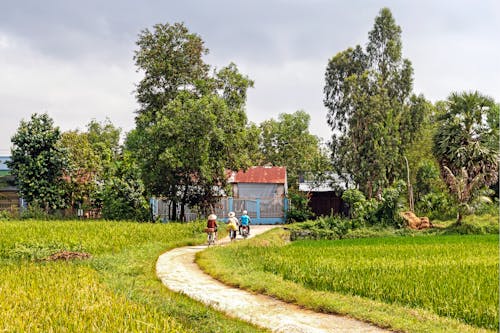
[462, 145]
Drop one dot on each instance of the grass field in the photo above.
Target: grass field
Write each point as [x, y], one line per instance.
[418, 284]
[114, 291]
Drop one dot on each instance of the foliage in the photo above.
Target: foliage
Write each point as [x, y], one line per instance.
[117, 289]
[104, 138]
[123, 196]
[191, 127]
[376, 212]
[371, 110]
[83, 167]
[436, 205]
[462, 145]
[388, 281]
[287, 142]
[299, 208]
[37, 162]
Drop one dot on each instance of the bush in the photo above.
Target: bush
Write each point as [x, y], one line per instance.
[299, 208]
[365, 212]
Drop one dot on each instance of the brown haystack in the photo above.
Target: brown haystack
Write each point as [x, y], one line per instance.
[415, 222]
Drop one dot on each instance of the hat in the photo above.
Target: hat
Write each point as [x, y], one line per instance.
[212, 217]
[231, 214]
[244, 212]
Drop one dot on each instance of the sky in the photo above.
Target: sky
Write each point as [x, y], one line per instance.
[74, 59]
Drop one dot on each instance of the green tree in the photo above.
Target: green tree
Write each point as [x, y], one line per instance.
[287, 142]
[464, 149]
[83, 167]
[104, 138]
[191, 127]
[38, 162]
[123, 194]
[373, 115]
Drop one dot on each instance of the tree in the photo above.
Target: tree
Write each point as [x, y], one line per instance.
[38, 162]
[287, 142]
[191, 126]
[171, 59]
[123, 193]
[104, 138]
[83, 167]
[373, 115]
[463, 146]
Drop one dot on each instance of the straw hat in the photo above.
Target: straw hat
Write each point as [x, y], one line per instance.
[231, 214]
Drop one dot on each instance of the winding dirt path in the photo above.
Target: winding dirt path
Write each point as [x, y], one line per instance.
[178, 271]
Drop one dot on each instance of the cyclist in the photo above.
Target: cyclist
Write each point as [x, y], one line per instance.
[245, 221]
[212, 224]
[232, 225]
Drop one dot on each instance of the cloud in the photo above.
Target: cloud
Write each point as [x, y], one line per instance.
[74, 60]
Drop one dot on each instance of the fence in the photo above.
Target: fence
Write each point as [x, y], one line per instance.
[261, 210]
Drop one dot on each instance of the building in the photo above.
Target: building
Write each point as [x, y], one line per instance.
[325, 197]
[261, 191]
[9, 198]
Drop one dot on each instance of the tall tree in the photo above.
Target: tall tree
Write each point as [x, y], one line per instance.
[287, 142]
[191, 126]
[38, 162]
[371, 110]
[463, 146]
[171, 59]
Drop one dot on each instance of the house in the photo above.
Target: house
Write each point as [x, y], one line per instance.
[261, 191]
[9, 198]
[325, 196]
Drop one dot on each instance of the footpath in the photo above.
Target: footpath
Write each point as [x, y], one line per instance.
[178, 271]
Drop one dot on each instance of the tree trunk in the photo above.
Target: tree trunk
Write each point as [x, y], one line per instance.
[459, 218]
[408, 184]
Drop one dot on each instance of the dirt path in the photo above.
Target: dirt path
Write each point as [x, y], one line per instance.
[178, 271]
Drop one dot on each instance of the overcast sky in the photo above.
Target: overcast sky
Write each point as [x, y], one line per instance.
[73, 59]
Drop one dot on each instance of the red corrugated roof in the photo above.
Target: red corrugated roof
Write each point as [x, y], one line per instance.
[261, 174]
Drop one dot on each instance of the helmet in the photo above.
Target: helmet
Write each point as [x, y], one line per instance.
[231, 214]
[245, 212]
[212, 217]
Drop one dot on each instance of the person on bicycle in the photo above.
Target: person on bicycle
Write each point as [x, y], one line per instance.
[212, 223]
[245, 221]
[232, 225]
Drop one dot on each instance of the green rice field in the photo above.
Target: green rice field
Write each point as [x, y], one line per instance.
[115, 290]
[453, 277]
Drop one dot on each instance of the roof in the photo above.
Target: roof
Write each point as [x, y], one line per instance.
[260, 174]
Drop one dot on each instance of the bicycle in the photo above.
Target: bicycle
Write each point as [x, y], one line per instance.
[211, 236]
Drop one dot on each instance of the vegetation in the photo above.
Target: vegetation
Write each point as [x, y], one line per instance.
[466, 147]
[371, 110]
[37, 163]
[287, 142]
[114, 291]
[411, 284]
[191, 127]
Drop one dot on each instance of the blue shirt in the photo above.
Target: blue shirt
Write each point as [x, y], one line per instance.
[245, 219]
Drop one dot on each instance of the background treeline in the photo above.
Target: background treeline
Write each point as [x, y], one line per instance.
[395, 149]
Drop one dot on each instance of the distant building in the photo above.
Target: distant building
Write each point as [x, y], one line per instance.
[9, 197]
[325, 197]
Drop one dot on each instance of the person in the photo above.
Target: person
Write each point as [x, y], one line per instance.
[212, 223]
[232, 225]
[245, 220]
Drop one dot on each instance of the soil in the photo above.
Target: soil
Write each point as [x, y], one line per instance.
[178, 271]
[67, 255]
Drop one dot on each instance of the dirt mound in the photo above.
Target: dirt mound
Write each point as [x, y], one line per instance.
[415, 222]
[68, 255]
